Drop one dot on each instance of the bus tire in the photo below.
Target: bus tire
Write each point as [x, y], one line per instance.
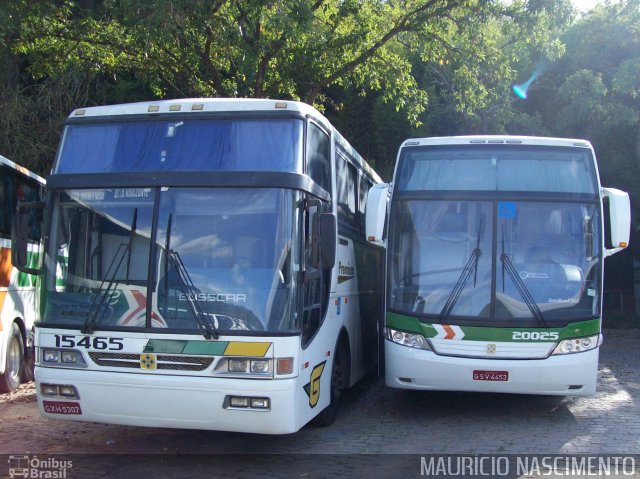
[29, 363]
[10, 379]
[339, 374]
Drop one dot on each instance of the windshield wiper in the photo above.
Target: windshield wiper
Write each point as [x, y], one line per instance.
[101, 301]
[470, 267]
[507, 266]
[186, 284]
[189, 289]
[97, 307]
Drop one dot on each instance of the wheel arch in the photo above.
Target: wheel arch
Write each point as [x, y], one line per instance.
[343, 345]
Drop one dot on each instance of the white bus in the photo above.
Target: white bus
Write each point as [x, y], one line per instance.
[205, 267]
[17, 289]
[495, 256]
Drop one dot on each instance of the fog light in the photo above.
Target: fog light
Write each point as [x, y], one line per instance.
[260, 366]
[260, 403]
[237, 365]
[284, 366]
[49, 389]
[50, 356]
[238, 401]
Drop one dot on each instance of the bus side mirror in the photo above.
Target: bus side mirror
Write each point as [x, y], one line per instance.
[376, 213]
[22, 231]
[618, 219]
[323, 250]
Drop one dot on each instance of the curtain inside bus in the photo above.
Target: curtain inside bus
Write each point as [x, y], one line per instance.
[183, 145]
[479, 168]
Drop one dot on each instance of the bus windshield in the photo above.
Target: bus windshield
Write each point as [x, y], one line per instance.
[186, 144]
[506, 234]
[225, 258]
[544, 267]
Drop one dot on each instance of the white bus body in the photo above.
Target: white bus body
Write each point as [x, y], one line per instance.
[193, 277]
[17, 289]
[495, 251]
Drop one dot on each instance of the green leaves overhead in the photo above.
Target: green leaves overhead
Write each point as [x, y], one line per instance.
[284, 48]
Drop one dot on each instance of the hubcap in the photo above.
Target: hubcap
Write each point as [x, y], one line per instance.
[14, 361]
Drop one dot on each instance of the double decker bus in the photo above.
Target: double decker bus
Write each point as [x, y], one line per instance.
[495, 252]
[17, 289]
[205, 267]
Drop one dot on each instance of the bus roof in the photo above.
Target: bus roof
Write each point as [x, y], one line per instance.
[195, 104]
[21, 169]
[221, 105]
[497, 140]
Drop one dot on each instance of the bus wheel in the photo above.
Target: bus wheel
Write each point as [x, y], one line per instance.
[29, 363]
[10, 380]
[338, 374]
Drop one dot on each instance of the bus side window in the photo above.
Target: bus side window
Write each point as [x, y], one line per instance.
[319, 156]
[316, 286]
[30, 191]
[14, 189]
[7, 201]
[363, 191]
[346, 181]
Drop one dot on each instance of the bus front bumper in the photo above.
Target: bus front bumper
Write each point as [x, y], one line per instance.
[186, 402]
[564, 375]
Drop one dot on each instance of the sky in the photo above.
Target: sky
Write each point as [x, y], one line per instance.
[585, 5]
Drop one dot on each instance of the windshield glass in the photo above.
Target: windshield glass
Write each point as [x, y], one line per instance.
[550, 252]
[496, 168]
[223, 257]
[435, 246]
[182, 145]
[505, 261]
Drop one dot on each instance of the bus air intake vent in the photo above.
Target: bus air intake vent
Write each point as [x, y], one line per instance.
[165, 362]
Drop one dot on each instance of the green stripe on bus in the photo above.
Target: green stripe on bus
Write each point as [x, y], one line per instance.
[481, 333]
[175, 346]
[33, 260]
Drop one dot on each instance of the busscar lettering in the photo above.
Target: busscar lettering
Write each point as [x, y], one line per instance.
[214, 297]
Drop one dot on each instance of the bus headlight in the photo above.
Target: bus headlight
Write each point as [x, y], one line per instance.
[412, 340]
[237, 365]
[244, 367]
[51, 355]
[259, 365]
[577, 345]
[66, 358]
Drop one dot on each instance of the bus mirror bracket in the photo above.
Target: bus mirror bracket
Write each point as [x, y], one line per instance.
[376, 212]
[20, 237]
[619, 219]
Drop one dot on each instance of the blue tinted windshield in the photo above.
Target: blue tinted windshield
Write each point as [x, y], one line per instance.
[223, 256]
[497, 168]
[183, 145]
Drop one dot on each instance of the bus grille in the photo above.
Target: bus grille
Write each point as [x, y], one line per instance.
[164, 361]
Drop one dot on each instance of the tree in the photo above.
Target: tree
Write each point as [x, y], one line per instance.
[283, 48]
